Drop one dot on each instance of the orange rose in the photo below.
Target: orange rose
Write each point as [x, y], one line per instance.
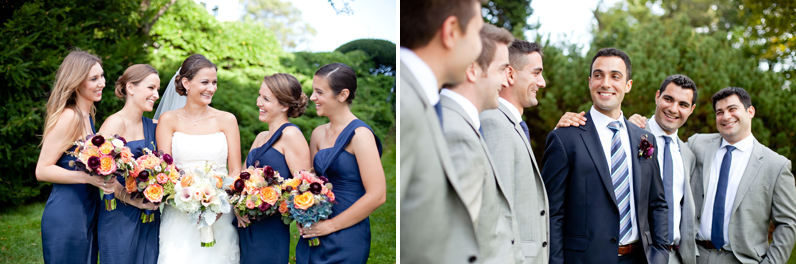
[106, 148]
[130, 185]
[107, 165]
[154, 193]
[219, 181]
[304, 200]
[330, 194]
[127, 155]
[283, 207]
[162, 178]
[174, 175]
[292, 182]
[269, 195]
[88, 151]
[187, 180]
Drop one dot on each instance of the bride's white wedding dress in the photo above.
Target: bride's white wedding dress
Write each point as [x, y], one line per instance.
[179, 238]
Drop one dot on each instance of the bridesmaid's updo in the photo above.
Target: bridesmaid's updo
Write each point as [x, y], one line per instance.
[340, 76]
[190, 67]
[134, 74]
[287, 91]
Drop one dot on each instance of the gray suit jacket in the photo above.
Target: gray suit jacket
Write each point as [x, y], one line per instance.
[767, 192]
[435, 225]
[483, 194]
[688, 224]
[516, 166]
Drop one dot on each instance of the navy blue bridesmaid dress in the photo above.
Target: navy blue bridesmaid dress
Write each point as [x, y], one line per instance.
[122, 236]
[69, 221]
[267, 240]
[350, 245]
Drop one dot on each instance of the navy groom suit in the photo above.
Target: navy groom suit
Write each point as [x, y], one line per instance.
[584, 217]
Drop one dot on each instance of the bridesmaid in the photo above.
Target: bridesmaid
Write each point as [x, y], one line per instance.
[69, 221]
[347, 152]
[284, 149]
[122, 236]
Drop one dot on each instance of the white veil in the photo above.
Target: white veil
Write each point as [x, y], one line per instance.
[171, 99]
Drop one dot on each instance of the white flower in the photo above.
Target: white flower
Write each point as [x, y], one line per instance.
[117, 143]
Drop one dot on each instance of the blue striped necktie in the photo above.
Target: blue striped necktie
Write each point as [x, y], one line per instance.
[619, 177]
[717, 227]
[668, 181]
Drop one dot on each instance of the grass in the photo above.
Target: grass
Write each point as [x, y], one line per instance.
[20, 227]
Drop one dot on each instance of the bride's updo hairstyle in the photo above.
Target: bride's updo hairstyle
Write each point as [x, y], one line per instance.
[134, 74]
[340, 76]
[287, 91]
[190, 67]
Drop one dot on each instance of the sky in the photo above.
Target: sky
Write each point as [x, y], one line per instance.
[567, 20]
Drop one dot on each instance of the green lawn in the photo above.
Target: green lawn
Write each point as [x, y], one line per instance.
[20, 227]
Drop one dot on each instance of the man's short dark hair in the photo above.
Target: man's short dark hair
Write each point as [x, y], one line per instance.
[612, 52]
[682, 81]
[518, 51]
[421, 19]
[744, 96]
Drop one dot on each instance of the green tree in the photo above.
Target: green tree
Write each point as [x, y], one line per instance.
[282, 18]
[382, 52]
[510, 14]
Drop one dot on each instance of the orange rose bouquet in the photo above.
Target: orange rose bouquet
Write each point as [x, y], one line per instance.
[307, 199]
[153, 175]
[104, 156]
[256, 192]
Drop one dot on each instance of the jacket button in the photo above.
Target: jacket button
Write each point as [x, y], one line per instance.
[544, 244]
[616, 211]
[542, 212]
[613, 240]
[471, 259]
[512, 241]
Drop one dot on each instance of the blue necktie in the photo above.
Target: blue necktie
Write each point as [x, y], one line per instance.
[438, 107]
[525, 129]
[717, 229]
[619, 177]
[668, 177]
[481, 130]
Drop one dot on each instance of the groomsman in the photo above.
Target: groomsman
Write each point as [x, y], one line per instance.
[741, 186]
[439, 40]
[484, 193]
[607, 203]
[675, 101]
[507, 137]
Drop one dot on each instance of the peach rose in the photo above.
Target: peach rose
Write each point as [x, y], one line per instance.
[162, 178]
[283, 207]
[127, 155]
[330, 194]
[106, 148]
[304, 200]
[269, 195]
[250, 204]
[292, 182]
[88, 151]
[130, 185]
[107, 165]
[219, 181]
[250, 189]
[154, 193]
[187, 180]
[174, 175]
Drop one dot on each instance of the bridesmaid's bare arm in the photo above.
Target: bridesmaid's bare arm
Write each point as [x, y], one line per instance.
[297, 152]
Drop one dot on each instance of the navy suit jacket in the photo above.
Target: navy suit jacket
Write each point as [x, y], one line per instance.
[584, 217]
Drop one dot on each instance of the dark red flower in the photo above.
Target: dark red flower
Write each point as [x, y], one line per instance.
[143, 175]
[93, 162]
[646, 149]
[324, 179]
[264, 207]
[245, 175]
[97, 140]
[123, 140]
[269, 172]
[239, 185]
[315, 188]
[168, 159]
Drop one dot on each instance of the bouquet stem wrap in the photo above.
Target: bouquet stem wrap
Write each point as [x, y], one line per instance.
[206, 236]
[314, 241]
[110, 201]
[147, 216]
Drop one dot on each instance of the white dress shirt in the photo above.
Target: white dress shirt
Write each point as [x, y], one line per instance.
[511, 107]
[423, 74]
[740, 158]
[678, 171]
[601, 122]
[468, 106]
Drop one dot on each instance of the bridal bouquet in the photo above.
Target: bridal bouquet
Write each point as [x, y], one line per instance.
[152, 173]
[104, 156]
[307, 199]
[200, 193]
[256, 192]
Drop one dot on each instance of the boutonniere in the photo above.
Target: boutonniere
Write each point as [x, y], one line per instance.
[645, 148]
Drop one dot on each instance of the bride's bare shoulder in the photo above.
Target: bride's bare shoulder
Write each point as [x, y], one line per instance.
[225, 118]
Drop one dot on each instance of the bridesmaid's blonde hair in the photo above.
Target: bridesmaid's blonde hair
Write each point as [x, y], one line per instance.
[72, 72]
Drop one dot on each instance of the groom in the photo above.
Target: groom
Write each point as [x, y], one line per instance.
[606, 196]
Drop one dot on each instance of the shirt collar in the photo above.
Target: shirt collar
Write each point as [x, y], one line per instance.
[424, 75]
[601, 121]
[743, 145]
[511, 107]
[468, 106]
[656, 129]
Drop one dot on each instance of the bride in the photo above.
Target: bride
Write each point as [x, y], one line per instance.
[195, 135]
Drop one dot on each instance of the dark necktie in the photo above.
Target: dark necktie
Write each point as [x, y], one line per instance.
[668, 178]
[619, 177]
[525, 129]
[438, 107]
[717, 229]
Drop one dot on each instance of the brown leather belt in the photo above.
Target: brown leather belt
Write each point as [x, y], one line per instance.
[706, 244]
[627, 249]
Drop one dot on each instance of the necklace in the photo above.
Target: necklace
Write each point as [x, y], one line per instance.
[195, 120]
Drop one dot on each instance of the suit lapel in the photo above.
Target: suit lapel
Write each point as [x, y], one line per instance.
[749, 174]
[592, 141]
[707, 162]
[518, 129]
